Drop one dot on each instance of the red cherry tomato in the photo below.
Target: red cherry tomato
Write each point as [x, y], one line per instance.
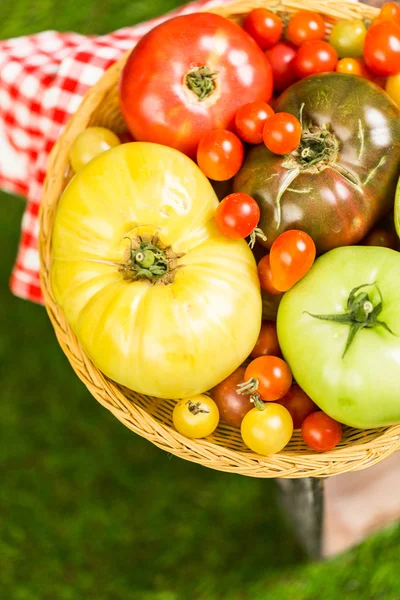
[320, 432]
[267, 378]
[267, 343]
[250, 120]
[389, 12]
[282, 133]
[298, 404]
[264, 26]
[382, 237]
[353, 66]
[232, 406]
[291, 257]
[237, 215]
[305, 26]
[190, 75]
[220, 154]
[265, 276]
[382, 48]
[281, 59]
[315, 57]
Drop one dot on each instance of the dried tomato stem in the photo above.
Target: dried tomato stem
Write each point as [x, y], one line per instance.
[201, 81]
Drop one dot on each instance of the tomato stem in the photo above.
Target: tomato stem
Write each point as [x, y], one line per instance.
[361, 312]
[196, 408]
[201, 81]
[257, 232]
[250, 387]
[148, 259]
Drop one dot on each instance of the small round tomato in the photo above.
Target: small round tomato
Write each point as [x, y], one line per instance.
[282, 133]
[353, 66]
[292, 256]
[220, 154]
[305, 26]
[392, 88]
[250, 120]
[267, 430]
[264, 26]
[281, 60]
[266, 378]
[196, 417]
[232, 406]
[381, 237]
[265, 276]
[237, 216]
[382, 48]
[91, 143]
[315, 57]
[320, 432]
[267, 343]
[298, 404]
[347, 37]
[389, 12]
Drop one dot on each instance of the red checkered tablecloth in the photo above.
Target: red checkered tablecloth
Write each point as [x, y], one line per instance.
[43, 78]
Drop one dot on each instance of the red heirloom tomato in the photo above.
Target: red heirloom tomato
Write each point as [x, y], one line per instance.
[267, 343]
[250, 120]
[382, 48]
[298, 404]
[220, 154]
[188, 76]
[292, 256]
[264, 26]
[282, 133]
[320, 432]
[315, 57]
[232, 405]
[304, 26]
[281, 59]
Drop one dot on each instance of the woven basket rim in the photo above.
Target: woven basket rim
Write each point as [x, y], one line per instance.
[365, 447]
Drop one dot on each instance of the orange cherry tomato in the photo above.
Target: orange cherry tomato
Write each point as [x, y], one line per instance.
[267, 378]
[353, 66]
[250, 120]
[291, 257]
[304, 26]
[220, 154]
[389, 12]
[267, 343]
[265, 276]
[282, 133]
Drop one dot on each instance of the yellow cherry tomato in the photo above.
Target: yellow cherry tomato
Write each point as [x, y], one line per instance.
[159, 299]
[269, 430]
[393, 88]
[196, 417]
[89, 144]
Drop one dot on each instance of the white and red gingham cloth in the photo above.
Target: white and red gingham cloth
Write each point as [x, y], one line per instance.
[43, 78]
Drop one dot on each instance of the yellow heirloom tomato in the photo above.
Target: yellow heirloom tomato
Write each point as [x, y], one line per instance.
[159, 300]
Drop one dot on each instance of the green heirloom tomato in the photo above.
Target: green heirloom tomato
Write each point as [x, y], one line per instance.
[347, 37]
[339, 330]
[341, 180]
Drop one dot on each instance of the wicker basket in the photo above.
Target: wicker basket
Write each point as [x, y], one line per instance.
[151, 417]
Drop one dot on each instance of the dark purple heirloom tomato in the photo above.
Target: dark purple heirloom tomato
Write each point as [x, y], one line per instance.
[342, 178]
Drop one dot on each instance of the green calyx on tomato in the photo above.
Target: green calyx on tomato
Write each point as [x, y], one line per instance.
[149, 259]
[362, 389]
[361, 312]
[201, 81]
[250, 388]
[341, 179]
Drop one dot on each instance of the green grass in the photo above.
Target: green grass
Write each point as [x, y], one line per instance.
[88, 509]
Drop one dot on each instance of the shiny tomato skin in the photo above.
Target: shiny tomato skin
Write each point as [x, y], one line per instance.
[325, 203]
[282, 133]
[353, 66]
[267, 431]
[155, 100]
[250, 120]
[305, 26]
[281, 60]
[315, 57]
[390, 11]
[196, 417]
[298, 404]
[273, 375]
[320, 432]
[265, 276]
[347, 37]
[267, 343]
[264, 26]
[237, 216]
[292, 256]
[220, 154]
[232, 406]
[382, 48]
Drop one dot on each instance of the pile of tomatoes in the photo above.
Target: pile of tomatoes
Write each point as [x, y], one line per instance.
[214, 100]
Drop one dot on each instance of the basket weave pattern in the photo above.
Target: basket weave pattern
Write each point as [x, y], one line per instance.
[151, 417]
